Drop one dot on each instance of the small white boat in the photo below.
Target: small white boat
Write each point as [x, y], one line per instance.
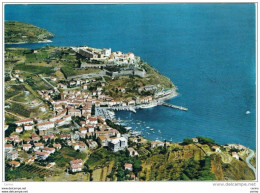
[248, 112]
[151, 129]
[147, 127]
[136, 133]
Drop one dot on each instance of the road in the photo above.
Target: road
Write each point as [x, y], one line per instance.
[16, 115]
[76, 124]
[49, 83]
[9, 99]
[252, 153]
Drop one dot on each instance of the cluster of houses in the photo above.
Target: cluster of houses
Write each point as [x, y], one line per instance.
[91, 130]
[94, 129]
[72, 100]
[234, 154]
[16, 76]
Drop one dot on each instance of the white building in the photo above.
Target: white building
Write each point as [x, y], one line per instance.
[28, 127]
[235, 155]
[38, 146]
[215, 148]
[45, 125]
[132, 152]
[61, 122]
[12, 155]
[25, 121]
[50, 150]
[27, 147]
[117, 144]
[93, 120]
[76, 165]
[42, 155]
[19, 129]
[106, 52]
[91, 129]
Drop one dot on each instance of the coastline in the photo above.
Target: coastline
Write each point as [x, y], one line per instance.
[160, 100]
[45, 41]
[170, 96]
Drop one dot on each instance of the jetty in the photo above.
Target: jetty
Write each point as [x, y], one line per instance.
[175, 106]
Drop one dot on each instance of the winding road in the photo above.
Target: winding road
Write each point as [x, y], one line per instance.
[43, 78]
[252, 153]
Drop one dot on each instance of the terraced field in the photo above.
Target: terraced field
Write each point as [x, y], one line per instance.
[27, 171]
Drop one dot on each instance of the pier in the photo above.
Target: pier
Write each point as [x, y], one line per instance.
[175, 106]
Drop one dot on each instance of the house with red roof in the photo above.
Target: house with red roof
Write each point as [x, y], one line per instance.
[27, 147]
[14, 164]
[42, 155]
[24, 121]
[76, 165]
[45, 126]
[128, 167]
[28, 127]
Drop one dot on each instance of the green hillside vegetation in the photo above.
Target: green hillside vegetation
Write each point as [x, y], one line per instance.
[34, 69]
[237, 170]
[26, 171]
[63, 157]
[177, 162]
[17, 32]
[155, 77]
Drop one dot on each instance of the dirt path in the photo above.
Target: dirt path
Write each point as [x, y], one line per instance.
[16, 115]
[9, 99]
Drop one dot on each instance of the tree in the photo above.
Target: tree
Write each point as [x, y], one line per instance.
[93, 109]
[120, 174]
[120, 128]
[11, 129]
[187, 141]
[7, 78]
[205, 140]
[137, 166]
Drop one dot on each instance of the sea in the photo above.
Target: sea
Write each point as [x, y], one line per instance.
[207, 50]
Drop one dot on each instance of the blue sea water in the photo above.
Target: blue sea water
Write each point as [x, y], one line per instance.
[207, 50]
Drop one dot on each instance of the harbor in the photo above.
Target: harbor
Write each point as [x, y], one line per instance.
[108, 112]
[105, 113]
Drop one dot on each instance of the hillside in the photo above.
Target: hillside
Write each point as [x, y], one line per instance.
[176, 162]
[18, 32]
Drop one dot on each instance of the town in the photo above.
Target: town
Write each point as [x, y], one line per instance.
[75, 115]
[81, 112]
